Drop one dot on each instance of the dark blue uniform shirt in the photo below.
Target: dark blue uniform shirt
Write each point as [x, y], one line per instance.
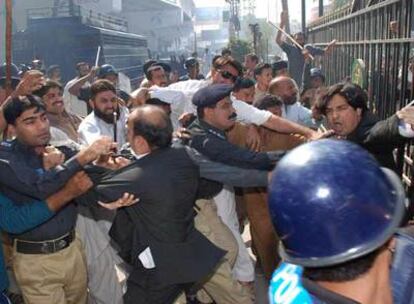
[22, 179]
[213, 143]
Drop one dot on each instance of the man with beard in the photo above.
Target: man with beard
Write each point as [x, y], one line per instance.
[108, 117]
[288, 91]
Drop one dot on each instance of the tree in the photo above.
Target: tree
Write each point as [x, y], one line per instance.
[239, 48]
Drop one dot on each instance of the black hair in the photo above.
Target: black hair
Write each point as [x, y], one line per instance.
[353, 93]
[101, 85]
[18, 105]
[214, 59]
[222, 61]
[268, 101]
[243, 83]
[157, 132]
[260, 67]
[46, 87]
[343, 272]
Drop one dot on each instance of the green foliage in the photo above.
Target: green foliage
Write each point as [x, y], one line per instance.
[239, 48]
[340, 3]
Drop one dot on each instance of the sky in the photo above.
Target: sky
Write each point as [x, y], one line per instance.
[262, 9]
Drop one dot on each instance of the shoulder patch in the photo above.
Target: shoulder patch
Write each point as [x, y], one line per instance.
[286, 287]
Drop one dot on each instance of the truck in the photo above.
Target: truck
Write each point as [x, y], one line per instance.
[65, 36]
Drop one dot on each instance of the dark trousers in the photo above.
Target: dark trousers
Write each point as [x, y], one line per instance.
[143, 287]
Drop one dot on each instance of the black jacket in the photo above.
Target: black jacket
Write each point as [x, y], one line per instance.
[166, 182]
[379, 137]
[213, 143]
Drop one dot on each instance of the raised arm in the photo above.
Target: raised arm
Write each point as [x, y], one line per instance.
[75, 88]
[284, 17]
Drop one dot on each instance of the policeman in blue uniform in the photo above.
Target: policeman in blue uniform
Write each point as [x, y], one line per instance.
[48, 259]
[336, 212]
[215, 116]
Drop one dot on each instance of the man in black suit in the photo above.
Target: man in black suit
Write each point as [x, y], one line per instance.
[157, 235]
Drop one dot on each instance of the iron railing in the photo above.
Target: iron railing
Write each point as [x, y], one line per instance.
[380, 32]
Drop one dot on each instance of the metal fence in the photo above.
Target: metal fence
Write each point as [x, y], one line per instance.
[380, 34]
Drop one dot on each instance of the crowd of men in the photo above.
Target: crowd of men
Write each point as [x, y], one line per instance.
[112, 197]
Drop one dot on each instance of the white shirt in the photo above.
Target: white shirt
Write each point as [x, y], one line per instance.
[298, 113]
[92, 128]
[175, 98]
[72, 103]
[189, 88]
[186, 89]
[249, 114]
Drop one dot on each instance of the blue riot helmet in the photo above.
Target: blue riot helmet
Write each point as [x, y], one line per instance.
[106, 70]
[14, 75]
[331, 202]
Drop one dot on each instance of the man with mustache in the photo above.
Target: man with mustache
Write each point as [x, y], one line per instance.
[48, 259]
[216, 115]
[107, 115]
[345, 107]
[52, 96]
[227, 70]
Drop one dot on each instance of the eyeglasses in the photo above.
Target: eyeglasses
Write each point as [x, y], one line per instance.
[228, 75]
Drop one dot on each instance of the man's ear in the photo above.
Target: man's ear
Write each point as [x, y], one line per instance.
[91, 104]
[208, 112]
[359, 111]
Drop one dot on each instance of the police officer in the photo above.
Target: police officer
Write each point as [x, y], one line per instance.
[336, 212]
[216, 115]
[192, 67]
[48, 260]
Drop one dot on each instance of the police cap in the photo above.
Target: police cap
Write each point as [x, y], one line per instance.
[211, 95]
